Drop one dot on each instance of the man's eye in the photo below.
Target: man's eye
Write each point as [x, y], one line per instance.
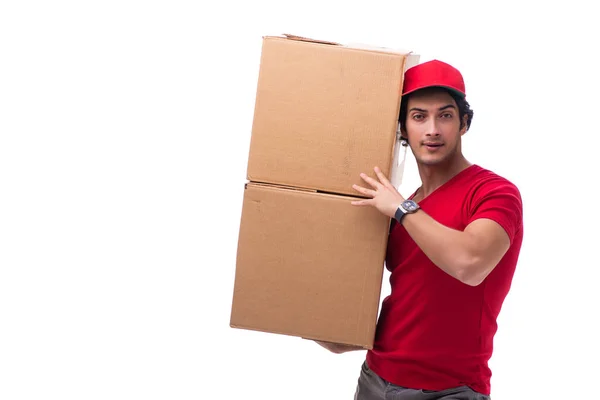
[447, 115]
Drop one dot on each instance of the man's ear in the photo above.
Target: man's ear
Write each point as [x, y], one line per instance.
[403, 136]
[465, 127]
[403, 133]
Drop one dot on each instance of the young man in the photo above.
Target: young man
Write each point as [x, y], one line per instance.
[452, 253]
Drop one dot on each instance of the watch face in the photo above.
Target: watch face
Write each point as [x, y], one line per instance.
[410, 205]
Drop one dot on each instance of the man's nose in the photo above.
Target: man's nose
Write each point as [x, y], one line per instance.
[433, 128]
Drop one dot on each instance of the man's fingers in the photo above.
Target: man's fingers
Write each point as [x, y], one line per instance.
[370, 181]
[384, 180]
[365, 191]
[361, 202]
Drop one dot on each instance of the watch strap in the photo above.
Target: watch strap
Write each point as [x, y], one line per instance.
[400, 213]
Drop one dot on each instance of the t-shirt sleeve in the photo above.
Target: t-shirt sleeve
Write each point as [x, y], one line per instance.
[500, 201]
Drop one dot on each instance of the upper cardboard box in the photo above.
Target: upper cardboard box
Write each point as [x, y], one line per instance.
[324, 113]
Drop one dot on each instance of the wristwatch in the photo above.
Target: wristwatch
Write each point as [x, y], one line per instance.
[407, 207]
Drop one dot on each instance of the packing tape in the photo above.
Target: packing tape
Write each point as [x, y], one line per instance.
[400, 150]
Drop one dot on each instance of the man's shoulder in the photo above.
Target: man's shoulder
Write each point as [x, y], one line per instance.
[496, 197]
[482, 177]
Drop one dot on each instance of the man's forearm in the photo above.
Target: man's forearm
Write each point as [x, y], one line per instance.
[338, 348]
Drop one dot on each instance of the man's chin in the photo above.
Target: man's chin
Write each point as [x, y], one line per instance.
[431, 161]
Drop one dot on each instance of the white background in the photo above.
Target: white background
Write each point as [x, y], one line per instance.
[124, 134]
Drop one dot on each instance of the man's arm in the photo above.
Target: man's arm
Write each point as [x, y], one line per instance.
[468, 255]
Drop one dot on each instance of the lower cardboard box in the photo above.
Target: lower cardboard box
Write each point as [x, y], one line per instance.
[308, 265]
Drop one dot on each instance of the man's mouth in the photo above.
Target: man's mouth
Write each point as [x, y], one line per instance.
[431, 145]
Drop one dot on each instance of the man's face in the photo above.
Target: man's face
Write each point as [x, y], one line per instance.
[433, 126]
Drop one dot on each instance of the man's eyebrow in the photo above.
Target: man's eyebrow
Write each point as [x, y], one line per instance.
[446, 107]
[439, 109]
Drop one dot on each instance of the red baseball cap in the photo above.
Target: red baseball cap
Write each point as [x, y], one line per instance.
[433, 73]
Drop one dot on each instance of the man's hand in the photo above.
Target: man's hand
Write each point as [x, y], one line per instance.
[384, 195]
[338, 348]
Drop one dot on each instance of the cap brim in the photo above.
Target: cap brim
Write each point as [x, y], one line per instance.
[453, 90]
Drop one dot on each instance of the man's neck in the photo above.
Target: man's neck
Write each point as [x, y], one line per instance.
[434, 176]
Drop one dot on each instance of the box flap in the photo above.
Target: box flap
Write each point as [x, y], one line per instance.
[363, 46]
[297, 38]
[305, 39]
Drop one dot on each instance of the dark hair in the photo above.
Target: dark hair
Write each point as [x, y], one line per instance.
[463, 109]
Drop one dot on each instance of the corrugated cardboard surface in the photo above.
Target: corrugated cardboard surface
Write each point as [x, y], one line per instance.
[309, 265]
[324, 114]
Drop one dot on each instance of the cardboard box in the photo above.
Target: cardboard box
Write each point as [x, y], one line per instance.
[324, 113]
[309, 264]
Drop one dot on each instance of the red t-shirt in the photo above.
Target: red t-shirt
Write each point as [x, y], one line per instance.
[435, 332]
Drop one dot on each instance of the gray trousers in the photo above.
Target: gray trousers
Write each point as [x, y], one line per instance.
[372, 387]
